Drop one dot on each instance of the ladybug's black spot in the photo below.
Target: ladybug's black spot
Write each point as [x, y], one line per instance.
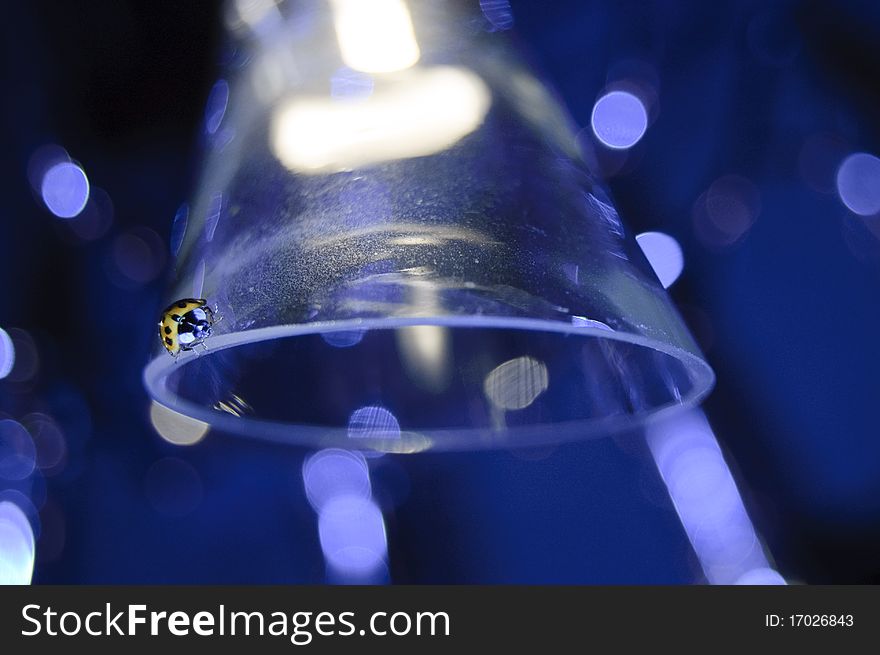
[168, 341]
[181, 304]
[167, 330]
[175, 317]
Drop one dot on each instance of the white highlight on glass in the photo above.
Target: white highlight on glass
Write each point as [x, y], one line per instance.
[516, 383]
[373, 422]
[198, 286]
[176, 428]
[16, 546]
[178, 228]
[425, 112]
[705, 497]
[619, 120]
[375, 36]
[7, 354]
[858, 183]
[212, 216]
[215, 108]
[584, 322]
[95, 220]
[65, 189]
[664, 254]
[425, 352]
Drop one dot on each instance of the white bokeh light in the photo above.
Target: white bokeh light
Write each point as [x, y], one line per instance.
[516, 383]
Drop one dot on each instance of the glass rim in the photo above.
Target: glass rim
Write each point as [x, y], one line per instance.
[162, 365]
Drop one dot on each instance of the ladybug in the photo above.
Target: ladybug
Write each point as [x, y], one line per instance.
[186, 324]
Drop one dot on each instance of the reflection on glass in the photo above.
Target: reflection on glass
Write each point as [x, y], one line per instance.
[419, 114]
[516, 383]
[176, 428]
[373, 423]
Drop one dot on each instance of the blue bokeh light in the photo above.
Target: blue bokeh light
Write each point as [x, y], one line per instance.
[858, 183]
[173, 487]
[705, 497]
[343, 338]
[95, 220]
[16, 546]
[137, 257]
[619, 120]
[664, 254]
[17, 452]
[49, 443]
[335, 472]
[26, 504]
[725, 213]
[352, 534]
[42, 159]
[65, 189]
[7, 354]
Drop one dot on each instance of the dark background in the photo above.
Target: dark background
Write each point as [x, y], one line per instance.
[788, 314]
